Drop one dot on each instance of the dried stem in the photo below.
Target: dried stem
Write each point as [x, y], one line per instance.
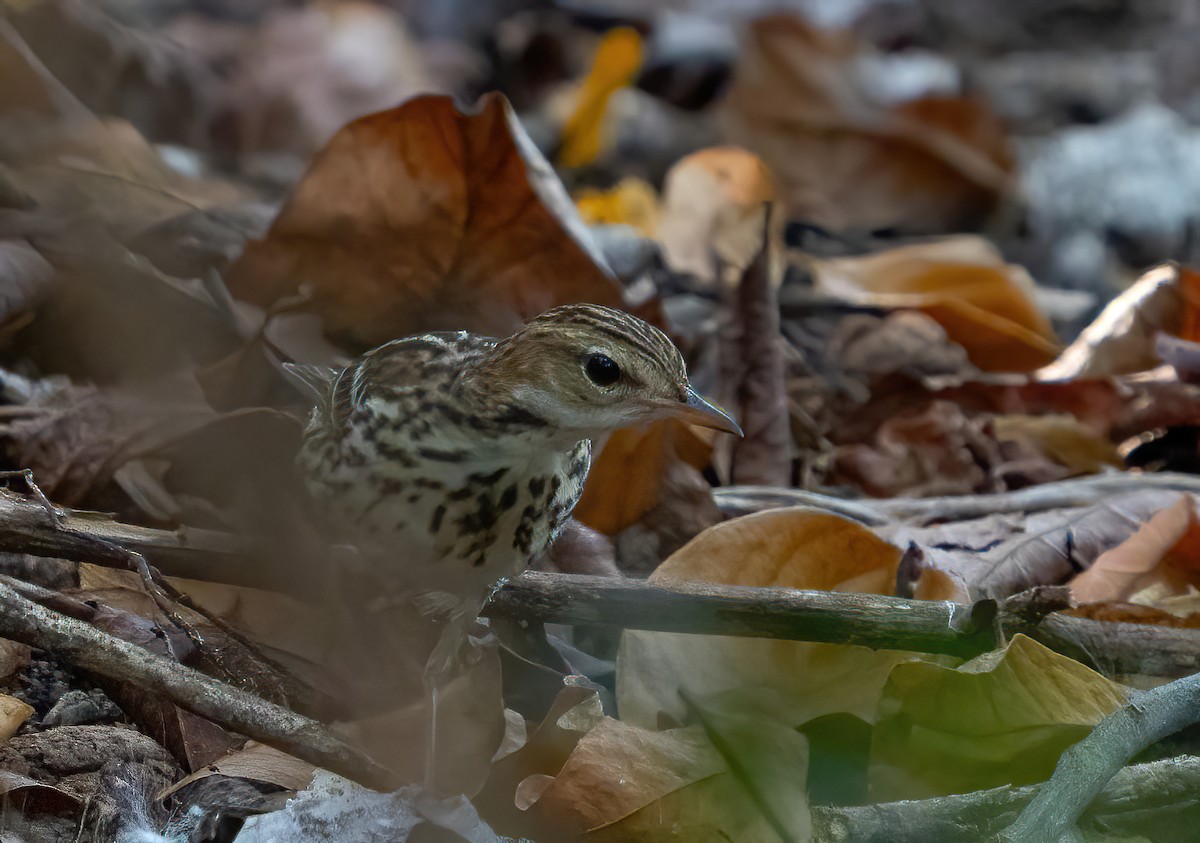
[1081, 491]
[83, 645]
[1085, 768]
[1144, 801]
[891, 623]
[884, 622]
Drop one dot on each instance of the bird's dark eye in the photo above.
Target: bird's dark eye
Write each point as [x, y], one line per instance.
[602, 369]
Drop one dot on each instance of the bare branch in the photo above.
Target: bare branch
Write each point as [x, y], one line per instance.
[1142, 801]
[1080, 491]
[1085, 768]
[89, 648]
[891, 623]
[875, 621]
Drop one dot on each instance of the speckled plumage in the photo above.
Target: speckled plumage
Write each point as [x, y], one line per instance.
[406, 469]
[457, 457]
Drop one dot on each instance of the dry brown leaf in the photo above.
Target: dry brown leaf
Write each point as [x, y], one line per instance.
[275, 621]
[85, 174]
[985, 304]
[754, 370]
[83, 435]
[423, 217]
[33, 796]
[1003, 554]
[627, 477]
[1002, 718]
[790, 548]
[713, 215]
[512, 784]
[1062, 438]
[623, 783]
[1163, 553]
[845, 161]
[120, 70]
[1122, 338]
[256, 762]
[935, 450]
[126, 610]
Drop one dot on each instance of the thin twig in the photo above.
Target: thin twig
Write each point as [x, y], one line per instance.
[26, 474]
[1085, 768]
[89, 648]
[870, 620]
[634, 604]
[1145, 799]
[1080, 491]
[106, 542]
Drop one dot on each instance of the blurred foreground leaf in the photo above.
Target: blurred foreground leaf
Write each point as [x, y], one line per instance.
[1001, 718]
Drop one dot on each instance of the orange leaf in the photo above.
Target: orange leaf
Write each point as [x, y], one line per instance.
[614, 66]
[1189, 286]
[1165, 551]
[984, 304]
[787, 548]
[1122, 339]
[631, 202]
[713, 207]
[626, 479]
[423, 218]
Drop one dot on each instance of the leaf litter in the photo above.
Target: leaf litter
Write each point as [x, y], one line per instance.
[189, 199]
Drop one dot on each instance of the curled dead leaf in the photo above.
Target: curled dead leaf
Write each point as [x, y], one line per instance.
[931, 451]
[984, 304]
[713, 215]
[424, 217]
[256, 762]
[1122, 338]
[790, 548]
[1164, 554]
[1061, 438]
[33, 796]
[627, 478]
[623, 783]
[517, 780]
[754, 370]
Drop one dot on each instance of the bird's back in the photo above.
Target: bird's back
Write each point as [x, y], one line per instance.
[408, 472]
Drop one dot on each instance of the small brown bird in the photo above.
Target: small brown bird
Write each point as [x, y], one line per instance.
[452, 459]
[459, 457]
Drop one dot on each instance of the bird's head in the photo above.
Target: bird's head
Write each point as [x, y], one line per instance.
[589, 369]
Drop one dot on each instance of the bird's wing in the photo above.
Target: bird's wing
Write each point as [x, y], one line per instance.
[402, 364]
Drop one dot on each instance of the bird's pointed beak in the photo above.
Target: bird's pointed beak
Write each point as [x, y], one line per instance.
[695, 410]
